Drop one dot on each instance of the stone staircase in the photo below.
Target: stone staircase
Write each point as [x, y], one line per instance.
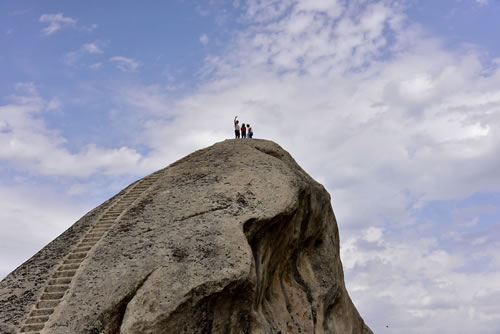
[60, 281]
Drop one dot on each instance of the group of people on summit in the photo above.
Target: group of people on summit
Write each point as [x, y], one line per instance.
[246, 130]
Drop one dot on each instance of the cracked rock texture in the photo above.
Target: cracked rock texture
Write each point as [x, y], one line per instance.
[234, 238]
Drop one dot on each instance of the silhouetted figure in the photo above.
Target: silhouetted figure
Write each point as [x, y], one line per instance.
[243, 131]
[236, 127]
[250, 131]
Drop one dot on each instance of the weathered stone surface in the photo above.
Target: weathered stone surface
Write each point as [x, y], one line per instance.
[235, 238]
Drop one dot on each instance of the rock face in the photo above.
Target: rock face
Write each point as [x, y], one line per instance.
[234, 238]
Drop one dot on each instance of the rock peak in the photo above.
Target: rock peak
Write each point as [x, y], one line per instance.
[233, 238]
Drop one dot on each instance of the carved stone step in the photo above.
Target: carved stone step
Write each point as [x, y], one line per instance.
[37, 320]
[77, 255]
[105, 223]
[119, 208]
[72, 266]
[60, 281]
[89, 237]
[73, 261]
[89, 240]
[104, 228]
[32, 328]
[87, 243]
[82, 249]
[66, 273]
[52, 296]
[100, 230]
[56, 288]
[95, 235]
[41, 312]
[48, 303]
[110, 216]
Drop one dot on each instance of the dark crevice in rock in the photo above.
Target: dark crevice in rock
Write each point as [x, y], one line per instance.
[118, 313]
[270, 152]
[306, 219]
[226, 311]
[289, 306]
[257, 233]
[219, 208]
[276, 236]
[298, 278]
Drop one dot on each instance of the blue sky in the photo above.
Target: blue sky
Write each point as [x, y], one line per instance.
[393, 105]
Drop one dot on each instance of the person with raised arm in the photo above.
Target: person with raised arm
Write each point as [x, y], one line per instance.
[236, 127]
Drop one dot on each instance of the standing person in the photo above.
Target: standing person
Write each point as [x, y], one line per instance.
[236, 127]
[250, 131]
[243, 131]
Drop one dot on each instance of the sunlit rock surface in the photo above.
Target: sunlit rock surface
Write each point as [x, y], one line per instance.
[234, 238]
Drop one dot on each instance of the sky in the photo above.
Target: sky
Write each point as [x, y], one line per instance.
[393, 105]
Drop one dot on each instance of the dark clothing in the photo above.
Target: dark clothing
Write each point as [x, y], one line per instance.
[237, 133]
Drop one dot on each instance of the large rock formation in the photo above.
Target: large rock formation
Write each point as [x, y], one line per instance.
[234, 238]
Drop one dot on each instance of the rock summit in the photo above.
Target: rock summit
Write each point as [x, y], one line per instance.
[233, 238]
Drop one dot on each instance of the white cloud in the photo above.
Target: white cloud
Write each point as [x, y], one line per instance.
[204, 39]
[26, 142]
[368, 104]
[46, 213]
[267, 10]
[92, 48]
[420, 288]
[56, 22]
[386, 118]
[72, 57]
[95, 66]
[125, 64]
[89, 28]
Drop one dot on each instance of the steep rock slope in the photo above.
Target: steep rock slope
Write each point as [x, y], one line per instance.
[234, 238]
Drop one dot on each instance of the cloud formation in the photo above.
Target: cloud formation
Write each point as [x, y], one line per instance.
[72, 57]
[56, 22]
[92, 48]
[372, 106]
[383, 115]
[204, 39]
[95, 66]
[26, 142]
[46, 213]
[125, 64]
